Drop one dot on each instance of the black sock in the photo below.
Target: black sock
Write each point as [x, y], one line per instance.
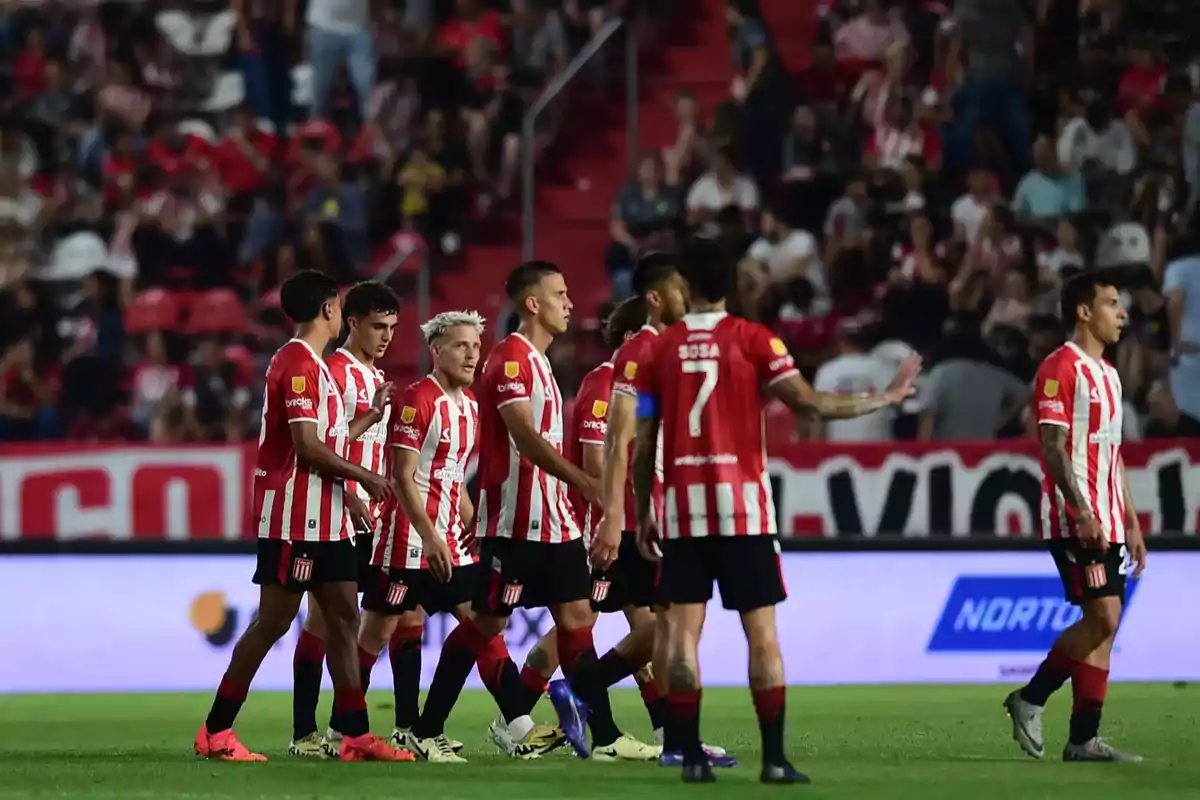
[404, 653]
[226, 706]
[769, 705]
[459, 653]
[307, 668]
[510, 694]
[685, 723]
[670, 740]
[589, 682]
[660, 715]
[1049, 678]
[350, 712]
[1085, 721]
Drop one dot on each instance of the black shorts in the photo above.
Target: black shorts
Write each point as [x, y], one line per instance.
[301, 566]
[631, 581]
[1073, 560]
[746, 569]
[363, 545]
[519, 574]
[395, 591]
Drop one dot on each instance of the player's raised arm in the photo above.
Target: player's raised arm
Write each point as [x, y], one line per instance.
[778, 371]
[303, 397]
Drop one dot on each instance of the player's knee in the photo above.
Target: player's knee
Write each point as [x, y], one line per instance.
[1104, 618]
[488, 624]
[314, 621]
[576, 615]
[271, 628]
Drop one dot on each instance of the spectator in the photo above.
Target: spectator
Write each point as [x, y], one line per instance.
[155, 393]
[967, 398]
[214, 396]
[493, 112]
[1065, 253]
[1048, 191]
[723, 185]
[1181, 284]
[780, 256]
[260, 53]
[688, 155]
[853, 371]
[899, 134]
[419, 180]
[970, 210]
[869, 35]
[846, 223]
[1099, 138]
[339, 34]
[339, 201]
[1012, 307]
[643, 216]
[992, 46]
[242, 158]
[761, 87]
[471, 22]
[539, 43]
[1166, 420]
[26, 398]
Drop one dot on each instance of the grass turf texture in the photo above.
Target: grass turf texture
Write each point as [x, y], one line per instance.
[867, 743]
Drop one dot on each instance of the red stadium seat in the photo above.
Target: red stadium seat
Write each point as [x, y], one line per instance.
[269, 300]
[217, 311]
[153, 310]
[241, 358]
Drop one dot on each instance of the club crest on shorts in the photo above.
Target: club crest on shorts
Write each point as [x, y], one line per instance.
[396, 593]
[302, 569]
[511, 594]
[600, 590]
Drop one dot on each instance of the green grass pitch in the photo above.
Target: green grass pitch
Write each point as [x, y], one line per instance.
[866, 743]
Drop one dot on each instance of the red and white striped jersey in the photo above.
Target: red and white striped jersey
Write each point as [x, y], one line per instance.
[292, 502]
[629, 355]
[441, 429]
[705, 374]
[1083, 395]
[589, 427]
[357, 384]
[517, 500]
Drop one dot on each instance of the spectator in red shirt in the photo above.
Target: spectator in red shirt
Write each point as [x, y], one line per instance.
[469, 23]
[1139, 90]
[29, 67]
[243, 156]
[26, 398]
[120, 171]
[825, 83]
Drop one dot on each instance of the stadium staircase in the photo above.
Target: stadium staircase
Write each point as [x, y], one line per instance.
[580, 175]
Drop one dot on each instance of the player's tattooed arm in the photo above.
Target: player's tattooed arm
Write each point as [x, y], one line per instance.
[643, 465]
[805, 401]
[1058, 464]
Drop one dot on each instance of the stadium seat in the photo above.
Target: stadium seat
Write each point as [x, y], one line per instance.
[228, 92]
[269, 300]
[241, 358]
[153, 310]
[217, 311]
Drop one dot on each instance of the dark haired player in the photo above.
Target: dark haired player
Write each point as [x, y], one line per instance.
[1088, 519]
[702, 382]
[305, 527]
[632, 579]
[370, 310]
[585, 448]
[529, 537]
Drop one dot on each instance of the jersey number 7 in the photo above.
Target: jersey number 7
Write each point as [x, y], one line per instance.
[710, 371]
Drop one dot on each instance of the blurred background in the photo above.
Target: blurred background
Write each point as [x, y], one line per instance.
[888, 176]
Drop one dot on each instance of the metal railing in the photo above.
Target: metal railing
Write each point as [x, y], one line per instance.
[411, 248]
[529, 125]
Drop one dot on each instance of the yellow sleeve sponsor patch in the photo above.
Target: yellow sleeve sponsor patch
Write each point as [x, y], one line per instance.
[298, 384]
[631, 370]
[1051, 388]
[408, 414]
[599, 409]
[778, 347]
[511, 369]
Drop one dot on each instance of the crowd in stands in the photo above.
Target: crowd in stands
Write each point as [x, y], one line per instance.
[926, 182]
[929, 181]
[164, 167]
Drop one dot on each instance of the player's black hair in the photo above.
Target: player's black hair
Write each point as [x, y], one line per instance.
[370, 297]
[705, 265]
[525, 276]
[652, 269]
[304, 294]
[1080, 290]
[627, 318]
